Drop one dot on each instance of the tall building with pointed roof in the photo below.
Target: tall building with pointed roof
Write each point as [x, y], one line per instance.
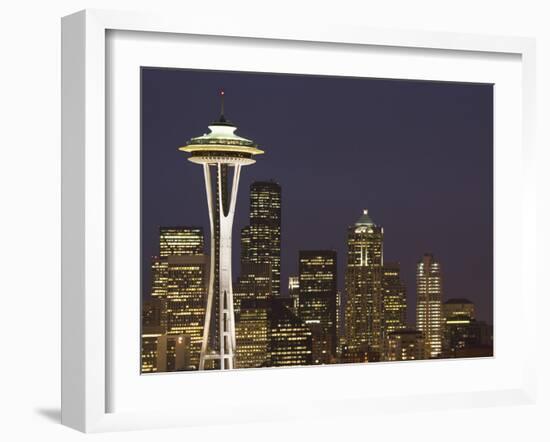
[363, 280]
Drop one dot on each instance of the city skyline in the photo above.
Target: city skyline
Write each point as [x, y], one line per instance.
[271, 332]
[327, 230]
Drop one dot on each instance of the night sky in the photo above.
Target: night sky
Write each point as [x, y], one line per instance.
[417, 154]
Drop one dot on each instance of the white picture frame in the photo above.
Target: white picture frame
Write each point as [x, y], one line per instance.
[86, 202]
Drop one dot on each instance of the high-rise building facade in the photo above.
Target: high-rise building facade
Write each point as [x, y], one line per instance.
[253, 333]
[464, 336]
[261, 239]
[364, 308]
[339, 319]
[253, 284]
[161, 352]
[394, 299]
[180, 277]
[317, 280]
[459, 307]
[151, 312]
[260, 277]
[290, 338]
[181, 241]
[186, 299]
[150, 335]
[174, 353]
[294, 292]
[220, 151]
[429, 311]
[180, 283]
[404, 345]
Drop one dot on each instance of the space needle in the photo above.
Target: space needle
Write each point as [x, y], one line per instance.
[219, 152]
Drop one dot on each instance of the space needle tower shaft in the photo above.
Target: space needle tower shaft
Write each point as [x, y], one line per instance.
[222, 153]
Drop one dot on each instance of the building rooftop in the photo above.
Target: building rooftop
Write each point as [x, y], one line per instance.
[458, 301]
[365, 219]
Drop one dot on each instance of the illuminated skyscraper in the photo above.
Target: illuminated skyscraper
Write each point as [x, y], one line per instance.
[394, 301]
[261, 239]
[161, 352]
[178, 241]
[151, 331]
[259, 280]
[150, 335]
[364, 309]
[180, 284]
[429, 314]
[339, 316]
[459, 307]
[253, 334]
[186, 299]
[317, 279]
[222, 150]
[464, 336]
[254, 283]
[294, 292]
[290, 338]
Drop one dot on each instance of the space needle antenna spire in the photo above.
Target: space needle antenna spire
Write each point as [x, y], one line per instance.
[222, 105]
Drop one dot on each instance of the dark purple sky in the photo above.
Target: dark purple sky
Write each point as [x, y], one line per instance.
[417, 154]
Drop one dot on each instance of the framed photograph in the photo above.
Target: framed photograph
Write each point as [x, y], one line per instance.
[292, 222]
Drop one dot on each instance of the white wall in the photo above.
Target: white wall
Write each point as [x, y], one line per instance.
[30, 220]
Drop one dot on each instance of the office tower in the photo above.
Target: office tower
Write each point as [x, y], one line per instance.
[429, 314]
[173, 353]
[161, 352]
[223, 151]
[290, 338]
[394, 300]
[348, 355]
[151, 313]
[180, 284]
[253, 284]
[159, 286]
[176, 241]
[339, 317]
[364, 319]
[467, 338]
[261, 239]
[150, 335]
[253, 334]
[464, 336]
[317, 279]
[459, 307]
[245, 244]
[404, 345]
[294, 292]
[473, 340]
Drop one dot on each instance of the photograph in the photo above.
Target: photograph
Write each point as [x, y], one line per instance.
[261, 222]
[293, 220]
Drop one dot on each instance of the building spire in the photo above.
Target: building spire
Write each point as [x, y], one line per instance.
[365, 219]
[222, 105]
